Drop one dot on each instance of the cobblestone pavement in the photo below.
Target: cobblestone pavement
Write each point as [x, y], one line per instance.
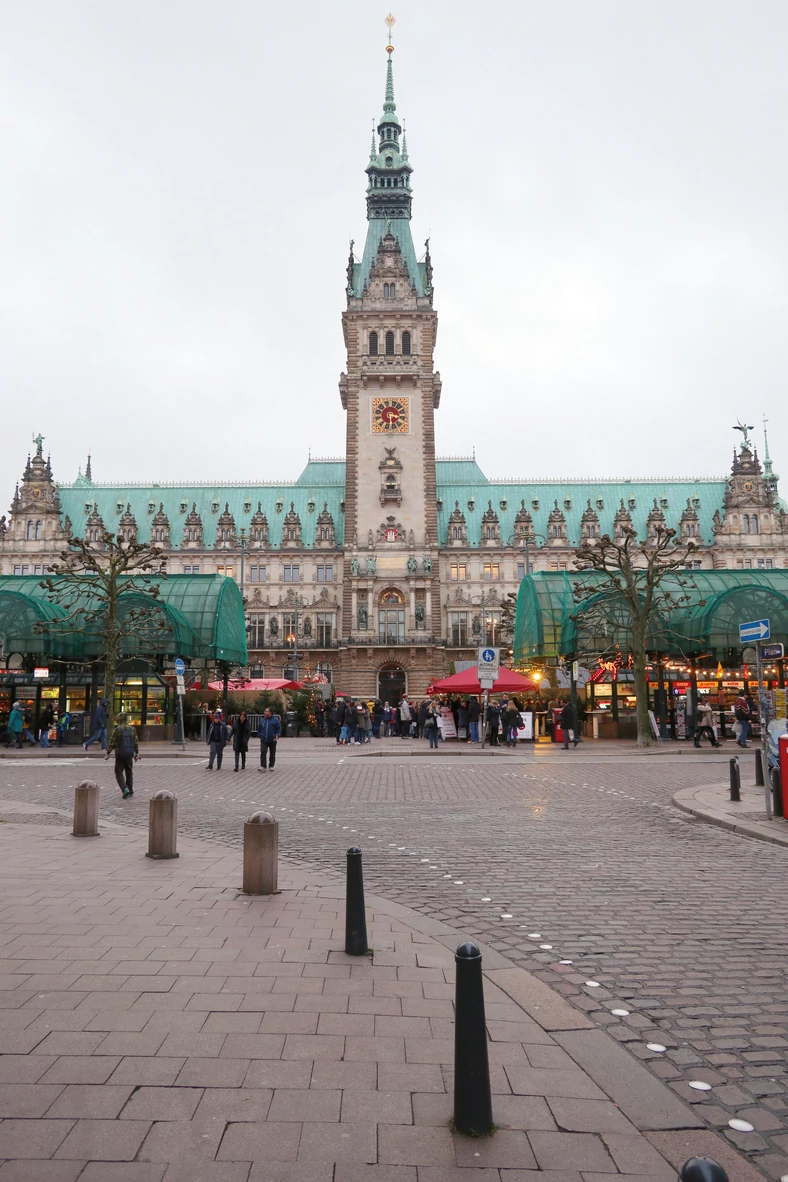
[577, 867]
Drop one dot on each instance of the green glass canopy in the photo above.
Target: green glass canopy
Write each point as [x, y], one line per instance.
[199, 616]
[704, 613]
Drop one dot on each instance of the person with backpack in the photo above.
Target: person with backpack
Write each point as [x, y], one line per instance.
[123, 741]
[63, 723]
[743, 715]
[269, 729]
[218, 733]
[241, 732]
[512, 722]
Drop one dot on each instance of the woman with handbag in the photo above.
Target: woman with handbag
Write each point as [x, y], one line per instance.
[431, 725]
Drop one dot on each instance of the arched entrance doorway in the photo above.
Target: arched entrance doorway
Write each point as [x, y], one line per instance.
[391, 684]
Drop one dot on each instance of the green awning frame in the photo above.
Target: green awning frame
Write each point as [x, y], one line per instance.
[204, 616]
[549, 621]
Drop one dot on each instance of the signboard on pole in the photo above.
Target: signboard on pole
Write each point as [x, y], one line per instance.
[754, 630]
[180, 667]
[180, 686]
[772, 652]
[488, 665]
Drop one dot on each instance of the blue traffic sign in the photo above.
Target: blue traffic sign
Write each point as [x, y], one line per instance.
[754, 630]
[772, 652]
[488, 656]
[180, 667]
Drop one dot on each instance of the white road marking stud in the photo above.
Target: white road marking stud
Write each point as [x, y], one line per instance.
[656, 1046]
[592, 984]
[569, 962]
[546, 947]
[699, 1085]
[741, 1126]
[506, 915]
[534, 935]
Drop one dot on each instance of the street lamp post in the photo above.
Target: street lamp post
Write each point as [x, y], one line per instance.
[294, 636]
[525, 538]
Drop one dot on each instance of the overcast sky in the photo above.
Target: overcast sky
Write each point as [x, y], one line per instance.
[604, 185]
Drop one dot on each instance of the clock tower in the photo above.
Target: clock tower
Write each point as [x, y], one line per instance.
[390, 392]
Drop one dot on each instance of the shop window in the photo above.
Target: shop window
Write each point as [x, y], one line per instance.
[459, 628]
[389, 344]
[406, 344]
[459, 572]
[325, 627]
[373, 344]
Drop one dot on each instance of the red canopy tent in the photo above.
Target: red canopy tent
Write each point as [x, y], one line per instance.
[255, 685]
[466, 682]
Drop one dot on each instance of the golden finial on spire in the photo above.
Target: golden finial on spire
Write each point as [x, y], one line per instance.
[390, 22]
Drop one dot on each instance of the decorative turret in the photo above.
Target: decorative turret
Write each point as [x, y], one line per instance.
[35, 509]
[688, 525]
[160, 528]
[523, 524]
[324, 528]
[458, 534]
[556, 525]
[654, 522]
[291, 528]
[225, 529]
[258, 532]
[622, 522]
[192, 530]
[127, 526]
[589, 523]
[491, 529]
[388, 191]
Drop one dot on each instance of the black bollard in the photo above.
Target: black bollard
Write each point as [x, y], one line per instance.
[777, 791]
[702, 1169]
[759, 780]
[735, 779]
[355, 914]
[472, 1101]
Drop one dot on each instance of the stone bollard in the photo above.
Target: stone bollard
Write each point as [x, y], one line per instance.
[759, 780]
[261, 855]
[702, 1169]
[472, 1099]
[163, 825]
[86, 809]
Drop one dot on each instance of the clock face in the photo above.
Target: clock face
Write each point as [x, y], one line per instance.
[389, 416]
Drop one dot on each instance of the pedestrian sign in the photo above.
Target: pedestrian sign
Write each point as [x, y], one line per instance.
[754, 630]
[180, 667]
[488, 665]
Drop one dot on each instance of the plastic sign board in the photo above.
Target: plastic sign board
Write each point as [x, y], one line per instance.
[180, 667]
[181, 689]
[754, 630]
[772, 652]
[488, 665]
[43, 672]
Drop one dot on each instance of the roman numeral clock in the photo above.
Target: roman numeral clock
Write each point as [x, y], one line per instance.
[390, 416]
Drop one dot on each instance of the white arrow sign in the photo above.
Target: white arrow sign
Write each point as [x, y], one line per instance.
[754, 630]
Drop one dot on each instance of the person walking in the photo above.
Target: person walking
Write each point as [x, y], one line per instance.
[123, 741]
[218, 732]
[494, 723]
[377, 718]
[421, 717]
[339, 721]
[63, 723]
[269, 729]
[16, 725]
[743, 715]
[431, 728]
[404, 717]
[241, 732]
[512, 723]
[566, 723]
[365, 723]
[47, 718]
[385, 724]
[705, 725]
[473, 719]
[320, 719]
[99, 725]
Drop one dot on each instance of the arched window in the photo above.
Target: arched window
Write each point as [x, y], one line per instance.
[30, 534]
[753, 523]
[392, 291]
[406, 344]
[373, 344]
[746, 522]
[385, 291]
[490, 532]
[38, 531]
[555, 531]
[389, 344]
[456, 533]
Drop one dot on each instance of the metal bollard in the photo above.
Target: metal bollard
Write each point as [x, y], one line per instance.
[163, 825]
[86, 809]
[355, 912]
[261, 855]
[472, 1100]
[702, 1169]
[777, 791]
[735, 778]
[759, 780]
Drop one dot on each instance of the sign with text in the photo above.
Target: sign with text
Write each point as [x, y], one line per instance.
[488, 665]
[772, 652]
[754, 630]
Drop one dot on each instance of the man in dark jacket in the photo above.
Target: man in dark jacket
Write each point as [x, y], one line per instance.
[424, 708]
[123, 741]
[269, 729]
[99, 725]
[339, 718]
[473, 719]
[241, 733]
[217, 740]
[566, 721]
[320, 719]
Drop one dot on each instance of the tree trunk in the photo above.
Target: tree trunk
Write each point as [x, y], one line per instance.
[111, 657]
[645, 737]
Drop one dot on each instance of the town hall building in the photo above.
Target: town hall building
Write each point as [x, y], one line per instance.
[384, 568]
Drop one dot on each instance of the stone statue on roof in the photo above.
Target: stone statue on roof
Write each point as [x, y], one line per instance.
[745, 430]
[371, 564]
[38, 440]
[412, 564]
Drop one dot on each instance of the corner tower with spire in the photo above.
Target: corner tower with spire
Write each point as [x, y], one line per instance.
[390, 392]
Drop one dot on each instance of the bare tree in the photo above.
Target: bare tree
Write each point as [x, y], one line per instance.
[637, 587]
[108, 588]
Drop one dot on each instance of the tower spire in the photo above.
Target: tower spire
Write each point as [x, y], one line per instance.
[770, 475]
[88, 469]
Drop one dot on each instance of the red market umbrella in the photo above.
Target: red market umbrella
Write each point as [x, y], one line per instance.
[466, 682]
[255, 685]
